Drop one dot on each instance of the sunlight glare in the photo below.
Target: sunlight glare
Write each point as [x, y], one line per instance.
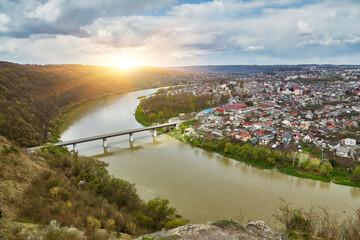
[125, 63]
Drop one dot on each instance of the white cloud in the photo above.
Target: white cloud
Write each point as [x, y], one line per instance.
[304, 28]
[50, 11]
[253, 48]
[4, 20]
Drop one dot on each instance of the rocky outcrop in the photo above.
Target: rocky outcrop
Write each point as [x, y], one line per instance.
[223, 230]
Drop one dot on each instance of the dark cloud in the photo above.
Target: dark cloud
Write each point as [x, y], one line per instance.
[68, 16]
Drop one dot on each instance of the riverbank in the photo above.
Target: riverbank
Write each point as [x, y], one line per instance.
[60, 119]
[271, 159]
[338, 175]
[66, 113]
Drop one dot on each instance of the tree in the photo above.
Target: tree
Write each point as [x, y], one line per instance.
[152, 117]
[156, 214]
[140, 110]
[182, 128]
[355, 175]
[160, 115]
[326, 169]
[227, 148]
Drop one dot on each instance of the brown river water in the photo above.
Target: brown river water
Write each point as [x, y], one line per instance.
[203, 186]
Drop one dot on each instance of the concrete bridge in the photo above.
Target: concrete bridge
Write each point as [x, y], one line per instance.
[104, 137]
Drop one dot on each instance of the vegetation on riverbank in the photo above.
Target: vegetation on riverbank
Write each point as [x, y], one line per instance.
[54, 185]
[316, 223]
[161, 106]
[299, 165]
[141, 117]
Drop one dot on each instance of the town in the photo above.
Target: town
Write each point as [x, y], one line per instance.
[315, 109]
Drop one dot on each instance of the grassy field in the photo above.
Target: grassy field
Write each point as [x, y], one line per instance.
[142, 119]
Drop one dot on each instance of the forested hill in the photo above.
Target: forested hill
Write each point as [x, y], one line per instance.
[33, 96]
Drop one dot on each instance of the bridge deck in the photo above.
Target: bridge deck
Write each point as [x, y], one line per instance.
[109, 135]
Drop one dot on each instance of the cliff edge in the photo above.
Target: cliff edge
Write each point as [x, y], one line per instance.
[223, 230]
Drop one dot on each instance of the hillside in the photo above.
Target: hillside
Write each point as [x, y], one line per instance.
[32, 97]
[53, 185]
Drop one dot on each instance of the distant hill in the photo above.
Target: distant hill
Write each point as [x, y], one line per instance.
[33, 96]
[245, 69]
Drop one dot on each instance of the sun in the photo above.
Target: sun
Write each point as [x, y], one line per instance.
[125, 63]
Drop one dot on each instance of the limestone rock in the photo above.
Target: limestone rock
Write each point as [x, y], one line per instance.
[223, 230]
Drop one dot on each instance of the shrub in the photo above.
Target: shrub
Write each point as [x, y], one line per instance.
[355, 175]
[156, 215]
[298, 222]
[7, 150]
[175, 223]
[293, 219]
[326, 169]
[55, 232]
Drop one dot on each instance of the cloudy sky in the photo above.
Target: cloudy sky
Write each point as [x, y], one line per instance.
[173, 33]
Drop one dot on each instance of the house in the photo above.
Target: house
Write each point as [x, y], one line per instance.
[286, 138]
[350, 142]
[264, 140]
[298, 92]
[259, 133]
[244, 136]
[308, 138]
[333, 145]
[286, 123]
[230, 108]
[342, 152]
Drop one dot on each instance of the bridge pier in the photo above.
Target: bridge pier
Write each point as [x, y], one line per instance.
[154, 133]
[132, 145]
[75, 148]
[177, 125]
[105, 144]
[131, 137]
[105, 150]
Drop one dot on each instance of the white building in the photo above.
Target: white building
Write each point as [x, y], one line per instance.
[350, 142]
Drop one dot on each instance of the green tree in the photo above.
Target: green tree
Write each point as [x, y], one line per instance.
[156, 214]
[160, 115]
[182, 128]
[227, 148]
[152, 117]
[326, 169]
[139, 109]
[355, 175]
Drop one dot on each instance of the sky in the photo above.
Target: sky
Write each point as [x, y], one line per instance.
[179, 33]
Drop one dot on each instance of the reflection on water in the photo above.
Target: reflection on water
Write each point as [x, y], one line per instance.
[224, 161]
[203, 186]
[208, 154]
[324, 185]
[355, 192]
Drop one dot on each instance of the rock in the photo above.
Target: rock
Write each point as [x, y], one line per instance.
[223, 230]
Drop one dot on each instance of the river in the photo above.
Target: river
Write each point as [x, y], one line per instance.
[203, 186]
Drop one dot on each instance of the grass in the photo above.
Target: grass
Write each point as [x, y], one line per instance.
[56, 132]
[142, 119]
[341, 176]
[292, 172]
[226, 223]
[189, 123]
